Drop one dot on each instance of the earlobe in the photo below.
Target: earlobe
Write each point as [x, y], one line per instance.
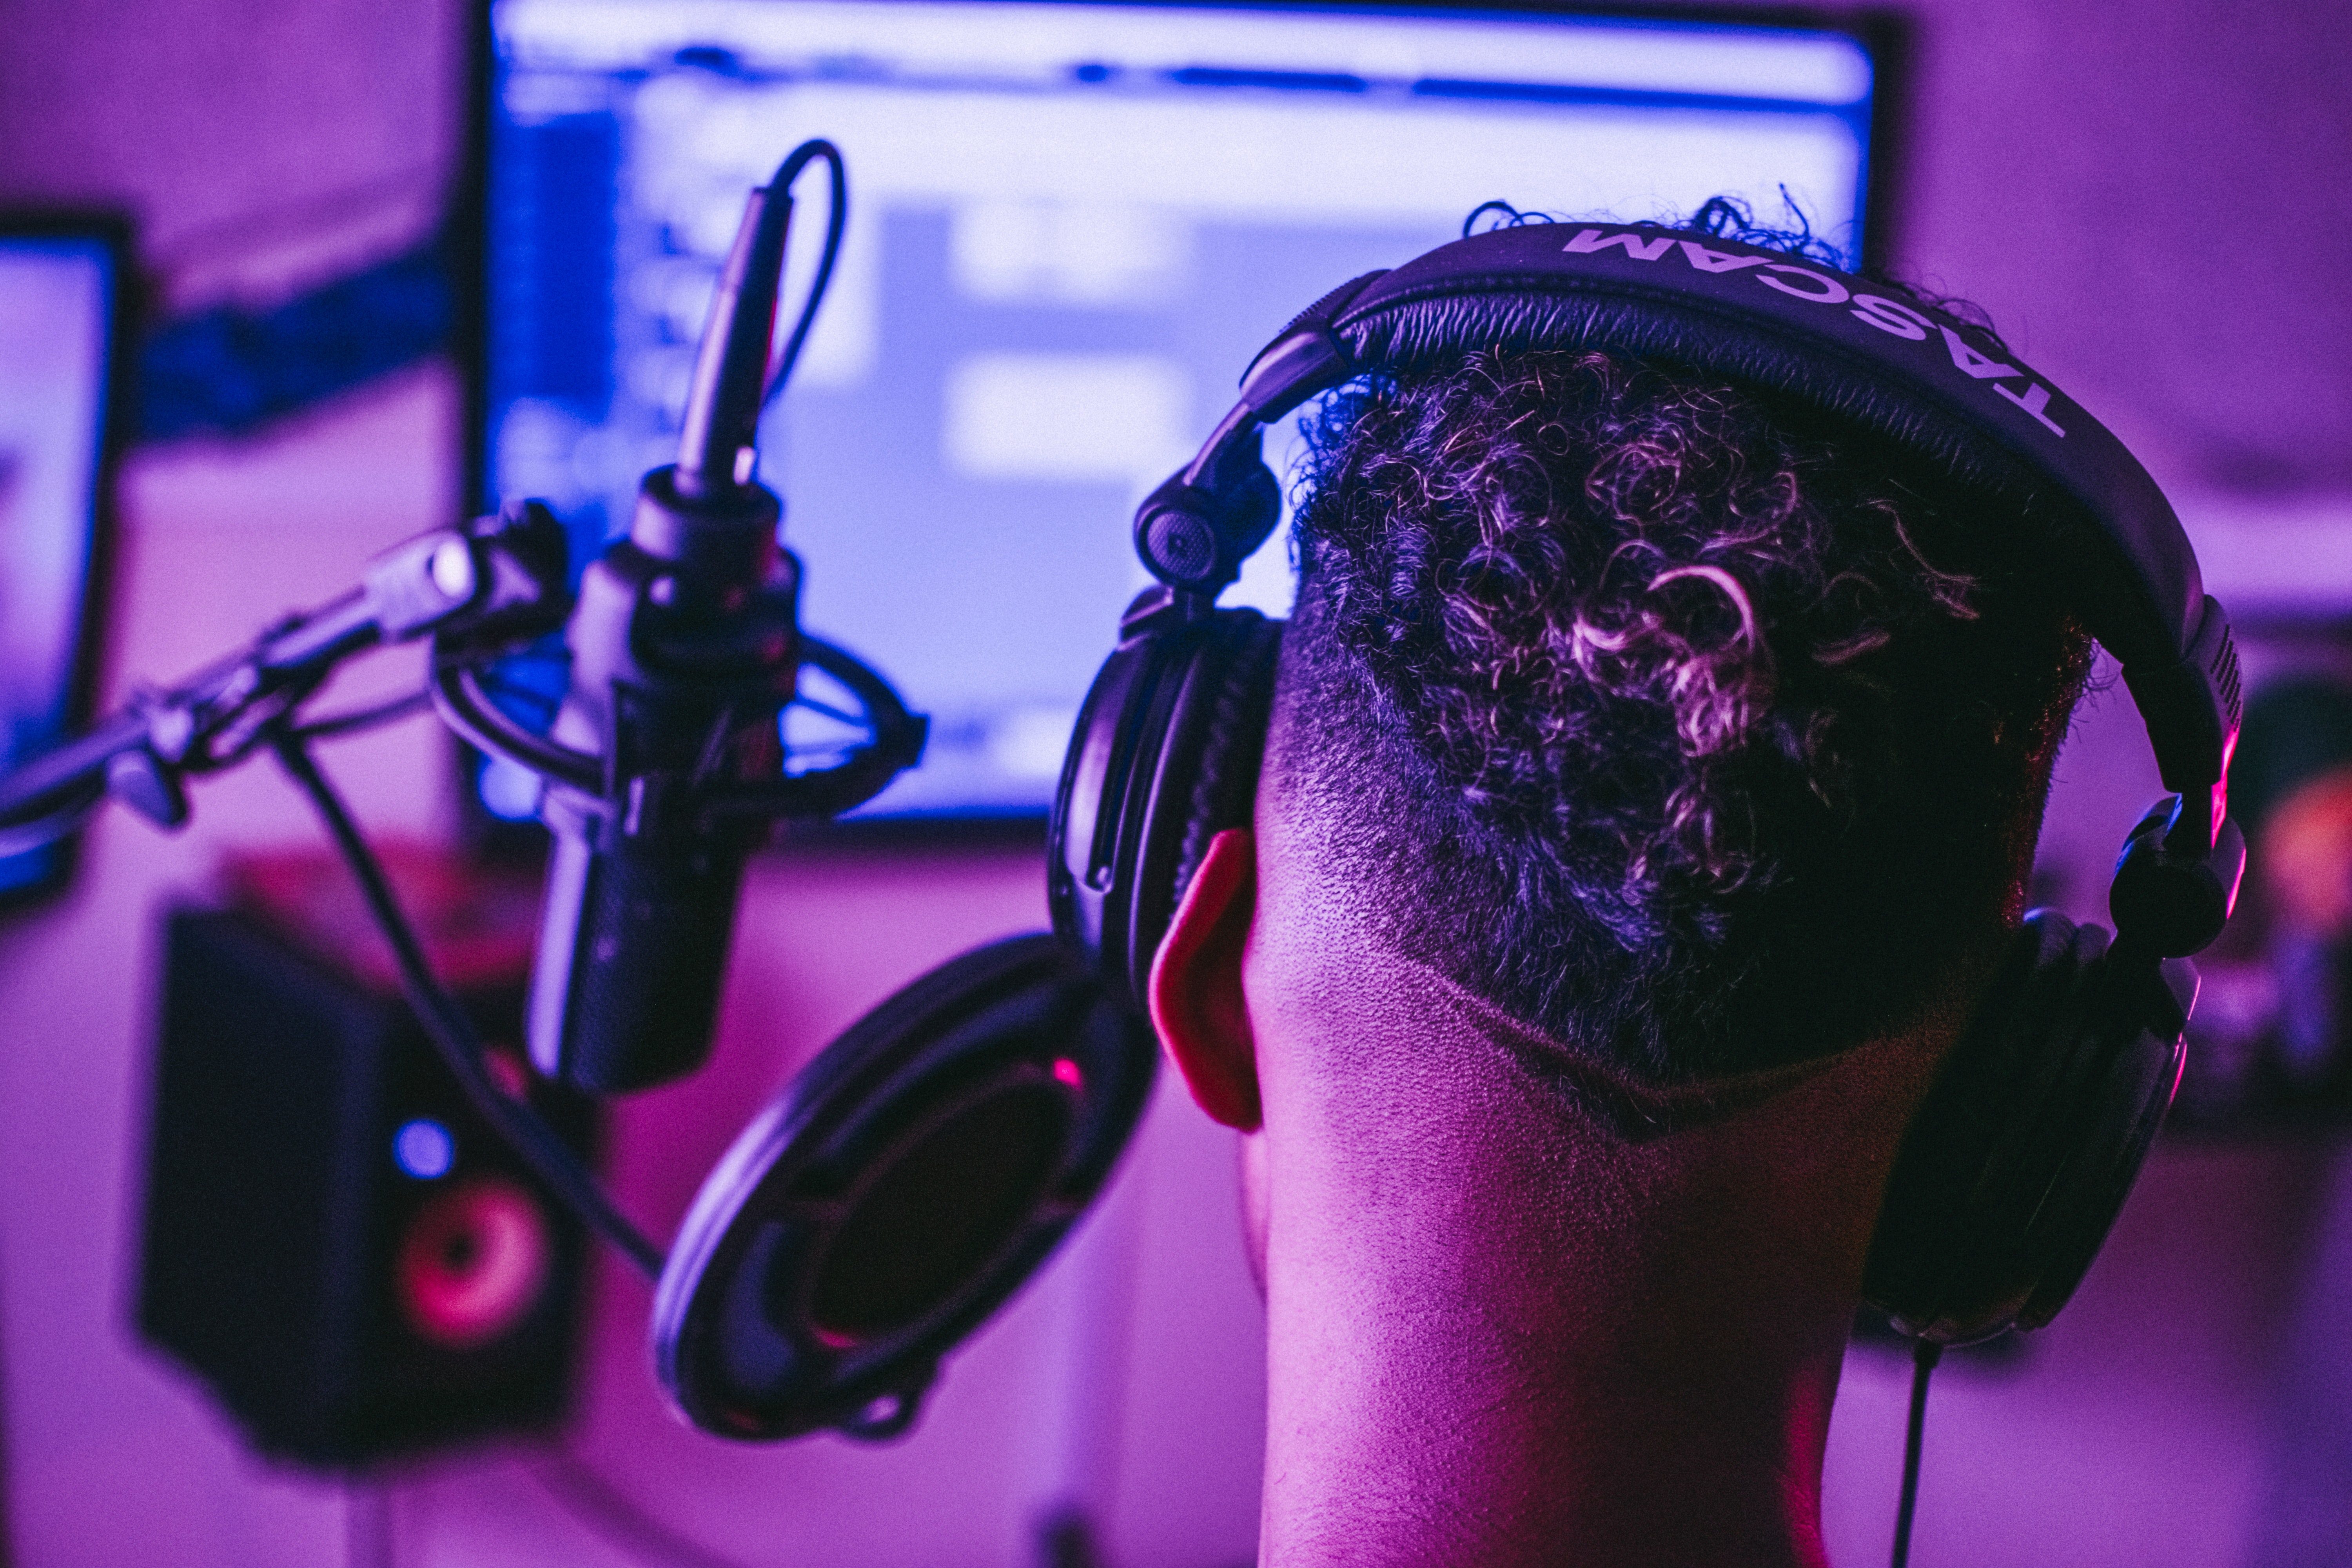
[1196, 998]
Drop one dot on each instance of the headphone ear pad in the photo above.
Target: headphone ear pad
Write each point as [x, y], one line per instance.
[1165, 756]
[2021, 1157]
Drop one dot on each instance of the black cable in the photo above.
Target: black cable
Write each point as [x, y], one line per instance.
[367, 718]
[1925, 1354]
[452, 1033]
[837, 219]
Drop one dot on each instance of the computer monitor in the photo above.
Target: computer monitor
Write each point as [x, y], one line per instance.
[1071, 226]
[61, 335]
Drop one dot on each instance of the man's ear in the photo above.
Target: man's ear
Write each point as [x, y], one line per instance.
[1196, 984]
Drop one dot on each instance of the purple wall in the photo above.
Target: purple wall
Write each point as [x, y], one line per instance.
[2203, 317]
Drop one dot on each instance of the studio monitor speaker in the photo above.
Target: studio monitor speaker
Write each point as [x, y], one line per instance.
[333, 1242]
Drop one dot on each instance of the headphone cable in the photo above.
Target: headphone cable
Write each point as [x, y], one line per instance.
[1925, 1354]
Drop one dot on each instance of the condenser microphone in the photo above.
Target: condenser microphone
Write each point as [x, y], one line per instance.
[685, 646]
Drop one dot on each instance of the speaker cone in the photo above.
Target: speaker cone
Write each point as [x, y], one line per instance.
[473, 1262]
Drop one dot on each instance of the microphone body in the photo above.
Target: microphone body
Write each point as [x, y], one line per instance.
[666, 764]
[685, 646]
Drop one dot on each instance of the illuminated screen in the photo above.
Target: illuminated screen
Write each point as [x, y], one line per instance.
[1070, 227]
[56, 314]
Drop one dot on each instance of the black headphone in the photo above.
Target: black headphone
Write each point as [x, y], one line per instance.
[2021, 1157]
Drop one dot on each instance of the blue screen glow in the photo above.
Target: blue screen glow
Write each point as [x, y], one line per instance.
[1071, 226]
[57, 310]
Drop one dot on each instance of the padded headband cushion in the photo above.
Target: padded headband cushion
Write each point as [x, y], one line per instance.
[1917, 376]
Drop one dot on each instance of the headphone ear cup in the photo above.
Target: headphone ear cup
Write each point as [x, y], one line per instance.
[1165, 756]
[2140, 1018]
[2021, 1157]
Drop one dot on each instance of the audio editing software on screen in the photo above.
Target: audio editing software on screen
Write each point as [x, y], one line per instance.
[1071, 226]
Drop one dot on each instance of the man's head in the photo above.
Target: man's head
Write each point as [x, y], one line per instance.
[1663, 715]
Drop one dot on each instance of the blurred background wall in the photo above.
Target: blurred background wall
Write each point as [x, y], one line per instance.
[2147, 198]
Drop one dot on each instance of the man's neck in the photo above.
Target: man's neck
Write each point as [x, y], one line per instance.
[1503, 1334]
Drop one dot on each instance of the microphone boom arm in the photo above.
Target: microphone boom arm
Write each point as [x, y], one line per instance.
[692, 618]
[494, 583]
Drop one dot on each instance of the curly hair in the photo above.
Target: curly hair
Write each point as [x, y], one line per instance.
[1672, 717]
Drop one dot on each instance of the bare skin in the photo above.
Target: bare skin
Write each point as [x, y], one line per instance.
[1499, 1332]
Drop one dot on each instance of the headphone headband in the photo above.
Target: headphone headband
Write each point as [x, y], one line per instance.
[1916, 376]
